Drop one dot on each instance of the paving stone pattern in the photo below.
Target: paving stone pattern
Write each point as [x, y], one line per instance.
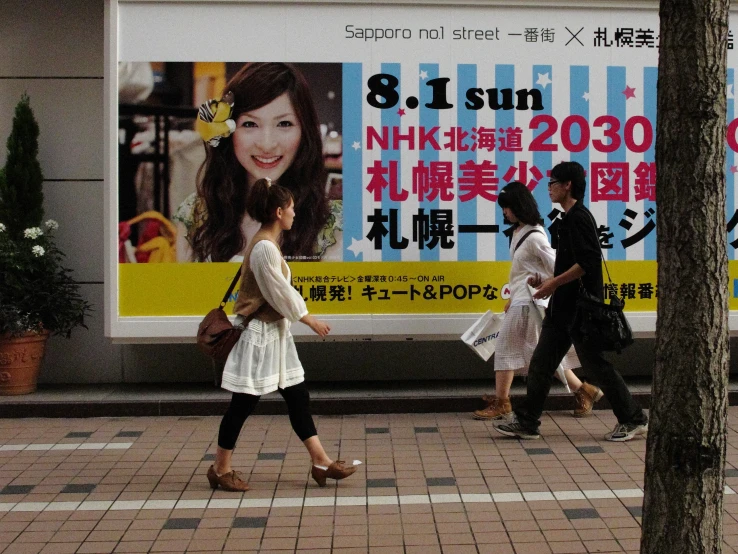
[430, 483]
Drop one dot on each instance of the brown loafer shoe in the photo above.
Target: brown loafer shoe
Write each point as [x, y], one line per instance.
[337, 470]
[230, 481]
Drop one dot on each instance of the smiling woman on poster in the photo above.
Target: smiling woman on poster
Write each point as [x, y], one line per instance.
[272, 131]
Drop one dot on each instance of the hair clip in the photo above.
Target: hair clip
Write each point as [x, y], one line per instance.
[214, 119]
[269, 181]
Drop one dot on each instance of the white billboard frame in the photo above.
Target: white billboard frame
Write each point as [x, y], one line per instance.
[345, 327]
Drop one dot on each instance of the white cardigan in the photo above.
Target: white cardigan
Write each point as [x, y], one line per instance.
[535, 256]
[265, 357]
[266, 263]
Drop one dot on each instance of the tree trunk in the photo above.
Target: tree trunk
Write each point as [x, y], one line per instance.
[685, 458]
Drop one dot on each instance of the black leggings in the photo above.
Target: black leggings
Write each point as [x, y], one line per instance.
[298, 406]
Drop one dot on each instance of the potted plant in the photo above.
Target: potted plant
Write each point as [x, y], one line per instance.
[38, 295]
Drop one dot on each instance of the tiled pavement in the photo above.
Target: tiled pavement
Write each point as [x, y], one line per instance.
[430, 483]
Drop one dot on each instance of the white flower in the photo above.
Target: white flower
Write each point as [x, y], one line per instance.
[38, 251]
[33, 233]
[51, 225]
[2, 227]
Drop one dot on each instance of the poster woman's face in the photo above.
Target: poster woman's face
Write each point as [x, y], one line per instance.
[266, 140]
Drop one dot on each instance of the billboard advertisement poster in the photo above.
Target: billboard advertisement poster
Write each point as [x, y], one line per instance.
[421, 114]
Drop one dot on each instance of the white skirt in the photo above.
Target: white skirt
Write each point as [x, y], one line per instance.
[518, 339]
[263, 359]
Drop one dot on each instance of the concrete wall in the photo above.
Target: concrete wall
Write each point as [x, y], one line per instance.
[54, 52]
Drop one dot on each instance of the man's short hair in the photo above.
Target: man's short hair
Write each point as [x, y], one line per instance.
[574, 172]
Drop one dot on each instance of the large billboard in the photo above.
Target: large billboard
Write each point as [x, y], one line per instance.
[424, 112]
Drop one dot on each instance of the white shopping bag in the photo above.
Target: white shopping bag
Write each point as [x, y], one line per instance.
[482, 335]
[540, 313]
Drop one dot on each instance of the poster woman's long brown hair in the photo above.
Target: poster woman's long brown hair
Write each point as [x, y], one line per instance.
[222, 180]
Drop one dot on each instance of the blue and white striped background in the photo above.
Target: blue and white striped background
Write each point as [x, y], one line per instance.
[562, 97]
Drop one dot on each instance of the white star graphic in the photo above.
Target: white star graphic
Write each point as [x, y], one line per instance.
[731, 95]
[360, 247]
[586, 96]
[356, 145]
[544, 79]
[424, 75]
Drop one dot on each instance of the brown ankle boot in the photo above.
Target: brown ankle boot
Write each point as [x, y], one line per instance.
[496, 409]
[585, 398]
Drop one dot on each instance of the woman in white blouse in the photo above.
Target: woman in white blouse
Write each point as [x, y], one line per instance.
[531, 256]
[265, 359]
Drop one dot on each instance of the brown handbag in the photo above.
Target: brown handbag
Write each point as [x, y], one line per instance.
[216, 335]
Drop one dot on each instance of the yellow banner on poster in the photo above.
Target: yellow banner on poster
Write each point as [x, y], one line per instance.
[363, 287]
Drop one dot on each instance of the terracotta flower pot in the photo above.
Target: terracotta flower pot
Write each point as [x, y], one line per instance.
[20, 362]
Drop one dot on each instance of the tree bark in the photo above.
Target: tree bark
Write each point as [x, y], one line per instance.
[685, 458]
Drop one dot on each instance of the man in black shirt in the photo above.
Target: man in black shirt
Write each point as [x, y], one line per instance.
[577, 265]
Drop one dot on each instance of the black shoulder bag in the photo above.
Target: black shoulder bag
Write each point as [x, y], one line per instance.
[597, 324]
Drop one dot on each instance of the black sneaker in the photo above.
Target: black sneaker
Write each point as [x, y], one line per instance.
[514, 429]
[626, 431]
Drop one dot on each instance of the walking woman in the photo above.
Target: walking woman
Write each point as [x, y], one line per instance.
[265, 358]
[531, 256]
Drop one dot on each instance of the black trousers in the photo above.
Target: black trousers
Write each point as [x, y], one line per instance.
[241, 406]
[553, 344]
